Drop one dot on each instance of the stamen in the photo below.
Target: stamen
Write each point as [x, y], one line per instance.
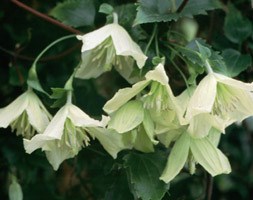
[224, 102]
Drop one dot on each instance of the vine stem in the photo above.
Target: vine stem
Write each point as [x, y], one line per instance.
[45, 17]
[181, 73]
[151, 39]
[208, 67]
[49, 46]
[209, 189]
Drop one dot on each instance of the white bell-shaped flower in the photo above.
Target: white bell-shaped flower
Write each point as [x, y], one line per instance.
[65, 135]
[26, 115]
[225, 98]
[109, 46]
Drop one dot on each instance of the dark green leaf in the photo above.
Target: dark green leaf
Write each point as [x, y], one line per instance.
[60, 96]
[119, 190]
[237, 27]
[106, 9]
[235, 62]
[143, 172]
[75, 13]
[163, 10]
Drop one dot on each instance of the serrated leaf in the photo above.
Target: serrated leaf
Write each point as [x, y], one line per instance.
[143, 171]
[150, 11]
[235, 63]
[196, 51]
[75, 13]
[119, 190]
[237, 28]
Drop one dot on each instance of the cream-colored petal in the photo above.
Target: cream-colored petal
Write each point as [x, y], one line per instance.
[128, 117]
[170, 136]
[158, 74]
[56, 126]
[203, 97]
[210, 157]
[89, 68]
[11, 112]
[36, 114]
[200, 125]
[112, 141]
[233, 82]
[149, 127]
[38, 141]
[125, 46]
[142, 142]
[125, 67]
[80, 118]
[123, 96]
[58, 153]
[94, 38]
[177, 158]
[53, 131]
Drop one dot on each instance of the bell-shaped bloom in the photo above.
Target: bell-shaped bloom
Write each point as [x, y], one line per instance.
[138, 108]
[227, 99]
[25, 115]
[65, 135]
[158, 96]
[106, 47]
[202, 150]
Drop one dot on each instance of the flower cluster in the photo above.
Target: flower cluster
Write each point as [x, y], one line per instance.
[140, 116]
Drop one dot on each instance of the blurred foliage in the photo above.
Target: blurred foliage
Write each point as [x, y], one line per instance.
[93, 174]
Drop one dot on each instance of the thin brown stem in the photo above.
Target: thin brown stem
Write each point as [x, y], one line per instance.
[47, 58]
[45, 17]
[181, 7]
[209, 189]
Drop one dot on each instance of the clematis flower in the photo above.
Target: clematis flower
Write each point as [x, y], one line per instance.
[65, 135]
[226, 99]
[106, 47]
[159, 97]
[201, 150]
[25, 115]
[140, 115]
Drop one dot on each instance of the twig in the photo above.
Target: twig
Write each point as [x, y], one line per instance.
[47, 58]
[181, 7]
[45, 17]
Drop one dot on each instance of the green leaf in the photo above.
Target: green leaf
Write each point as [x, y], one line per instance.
[106, 9]
[237, 28]
[119, 190]
[235, 63]
[60, 96]
[196, 51]
[150, 11]
[127, 117]
[143, 172]
[75, 13]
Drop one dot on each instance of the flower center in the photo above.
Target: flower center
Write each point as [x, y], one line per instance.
[22, 126]
[157, 97]
[224, 102]
[74, 137]
[105, 54]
